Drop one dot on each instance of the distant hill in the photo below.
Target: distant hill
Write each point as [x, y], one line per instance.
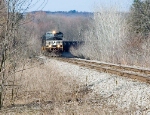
[66, 13]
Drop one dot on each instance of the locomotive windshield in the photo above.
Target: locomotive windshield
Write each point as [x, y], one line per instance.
[54, 36]
[49, 36]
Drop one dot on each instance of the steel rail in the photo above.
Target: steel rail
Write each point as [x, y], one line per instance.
[120, 70]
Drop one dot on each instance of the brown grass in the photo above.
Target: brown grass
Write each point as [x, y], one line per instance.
[42, 90]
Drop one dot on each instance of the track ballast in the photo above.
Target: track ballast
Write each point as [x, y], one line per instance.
[120, 70]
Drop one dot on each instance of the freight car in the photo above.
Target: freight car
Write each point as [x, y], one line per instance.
[68, 44]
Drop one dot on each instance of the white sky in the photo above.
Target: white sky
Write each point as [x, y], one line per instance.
[79, 5]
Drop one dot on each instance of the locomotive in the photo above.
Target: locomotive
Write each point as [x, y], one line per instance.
[54, 45]
[52, 42]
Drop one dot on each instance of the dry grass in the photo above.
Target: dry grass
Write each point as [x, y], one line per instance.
[42, 90]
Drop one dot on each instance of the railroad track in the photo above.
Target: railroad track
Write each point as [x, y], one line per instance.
[129, 72]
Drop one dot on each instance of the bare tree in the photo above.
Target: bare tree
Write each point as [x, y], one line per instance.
[106, 37]
[12, 43]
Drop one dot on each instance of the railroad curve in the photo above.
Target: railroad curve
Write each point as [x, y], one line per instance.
[120, 70]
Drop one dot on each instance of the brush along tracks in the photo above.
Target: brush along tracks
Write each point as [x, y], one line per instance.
[130, 72]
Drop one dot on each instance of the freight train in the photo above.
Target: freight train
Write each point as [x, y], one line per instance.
[53, 43]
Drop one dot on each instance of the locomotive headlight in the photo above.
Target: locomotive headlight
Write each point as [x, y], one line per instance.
[54, 32]
[50, 46]
[58, 46]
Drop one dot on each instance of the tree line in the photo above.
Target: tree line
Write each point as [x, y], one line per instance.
[118, 37]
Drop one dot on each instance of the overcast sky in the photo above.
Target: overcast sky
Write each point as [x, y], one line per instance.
[79, 5]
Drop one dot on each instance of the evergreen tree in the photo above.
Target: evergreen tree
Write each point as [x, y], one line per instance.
[140, 17]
